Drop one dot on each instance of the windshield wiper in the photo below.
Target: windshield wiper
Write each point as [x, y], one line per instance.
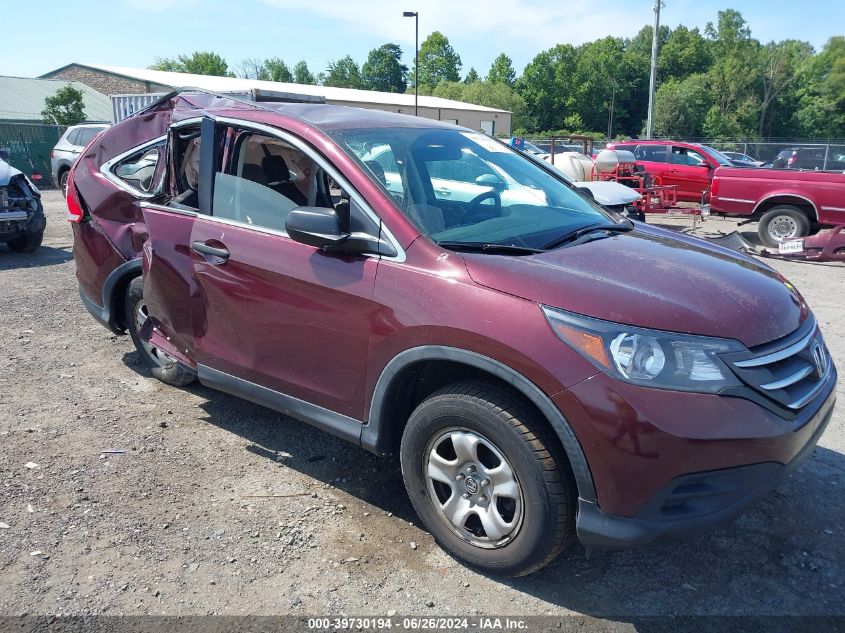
[622, 227]
[484, 247]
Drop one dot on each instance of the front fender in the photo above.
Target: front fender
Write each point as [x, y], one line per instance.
[375, 436]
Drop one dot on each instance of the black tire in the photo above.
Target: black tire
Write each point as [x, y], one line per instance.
[63, 182]
[162, 367]
[546, 522]
[781, 223]
[26, 243]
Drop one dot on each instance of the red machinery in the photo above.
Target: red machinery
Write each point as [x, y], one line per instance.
[621, 166]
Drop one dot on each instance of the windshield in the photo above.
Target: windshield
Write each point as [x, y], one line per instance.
[467, 188]
[530, 147]
[718, 156]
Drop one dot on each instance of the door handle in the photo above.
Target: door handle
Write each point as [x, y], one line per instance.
[673, 171]
[444, 192]
[204, 249]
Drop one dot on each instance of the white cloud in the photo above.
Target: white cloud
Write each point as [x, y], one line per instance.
[543, 23]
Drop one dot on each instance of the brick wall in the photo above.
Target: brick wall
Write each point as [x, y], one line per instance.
[101, 81]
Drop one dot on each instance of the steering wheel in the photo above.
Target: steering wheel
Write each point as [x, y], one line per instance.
[473, 212]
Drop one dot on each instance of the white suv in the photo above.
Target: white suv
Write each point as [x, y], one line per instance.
[70, 146]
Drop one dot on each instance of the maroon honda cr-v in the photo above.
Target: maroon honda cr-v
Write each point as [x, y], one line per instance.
[543, 367]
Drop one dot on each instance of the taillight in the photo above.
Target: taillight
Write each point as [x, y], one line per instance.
[75, 212]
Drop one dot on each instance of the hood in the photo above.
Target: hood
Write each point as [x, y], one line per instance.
[656, 279]
[610, 194]
[7, 172]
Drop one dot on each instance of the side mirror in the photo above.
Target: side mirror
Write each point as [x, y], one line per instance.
[315, 226]
[320, 227]
[491, 180]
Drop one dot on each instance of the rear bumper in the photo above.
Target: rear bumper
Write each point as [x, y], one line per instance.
[698, 502]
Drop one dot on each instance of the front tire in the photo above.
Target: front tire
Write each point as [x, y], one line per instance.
[26, 243]
[784, 222]
[162, 366]
[487, 480]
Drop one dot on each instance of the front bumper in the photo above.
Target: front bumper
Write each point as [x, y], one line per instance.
[16, 223]
[654, 485]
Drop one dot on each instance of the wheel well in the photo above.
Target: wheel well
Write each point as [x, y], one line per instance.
[116, 299]
[421, 379]
[770, 203]
[61, 170]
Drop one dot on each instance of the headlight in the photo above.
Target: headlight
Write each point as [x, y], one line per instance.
[653, 358]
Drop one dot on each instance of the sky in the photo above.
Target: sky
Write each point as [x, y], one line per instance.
[134, 33]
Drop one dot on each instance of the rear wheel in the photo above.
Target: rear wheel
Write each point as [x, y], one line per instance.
[26, 243]
[162, 366]
[485, 479]
[784, 222]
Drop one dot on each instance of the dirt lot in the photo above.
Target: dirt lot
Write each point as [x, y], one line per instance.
[218, 506]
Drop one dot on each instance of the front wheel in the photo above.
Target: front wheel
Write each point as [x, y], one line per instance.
[162, 366]
[784, 222]
[486, 479]
[26, 243]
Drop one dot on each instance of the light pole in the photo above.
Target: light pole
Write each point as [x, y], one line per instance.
[416, 16]
[653, 80]
[610, 111]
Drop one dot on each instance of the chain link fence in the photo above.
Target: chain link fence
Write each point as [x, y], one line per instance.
[817, 154]
[29, 146]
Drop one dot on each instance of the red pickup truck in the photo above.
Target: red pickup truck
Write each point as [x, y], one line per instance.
[788, 203]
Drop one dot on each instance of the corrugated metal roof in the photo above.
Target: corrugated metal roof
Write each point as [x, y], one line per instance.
[22, 98]
[332, 95]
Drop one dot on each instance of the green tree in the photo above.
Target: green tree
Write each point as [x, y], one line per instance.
[681, 106]
[438, 61]
[472, 76]
[344, 73]
[821, 113]
[198, 63]
[781, 65]
[640, 44]
[65, 107]
[685, 53]
[277, 70]
[253, 68]
[502, 72]
[301, 74]
[547, 86]
[384, 70]
[597, 80]
[733, 77]
[489, 94]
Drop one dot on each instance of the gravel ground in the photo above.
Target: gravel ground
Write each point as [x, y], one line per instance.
[212, 505]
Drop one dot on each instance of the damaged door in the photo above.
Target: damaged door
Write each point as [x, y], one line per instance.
[271, 312]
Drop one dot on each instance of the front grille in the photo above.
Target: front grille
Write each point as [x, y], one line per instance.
[790, 371]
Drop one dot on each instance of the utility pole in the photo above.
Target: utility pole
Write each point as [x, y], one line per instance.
[610, 112]
[653, 80]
